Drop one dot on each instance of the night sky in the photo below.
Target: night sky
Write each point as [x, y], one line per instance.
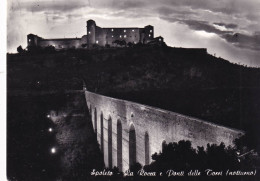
[228, 28]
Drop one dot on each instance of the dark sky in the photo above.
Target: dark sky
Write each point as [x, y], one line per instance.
[228, 28]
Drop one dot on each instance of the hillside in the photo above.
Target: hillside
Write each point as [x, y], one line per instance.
[181, 80]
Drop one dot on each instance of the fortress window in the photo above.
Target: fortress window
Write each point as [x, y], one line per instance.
[112, 29]
[151, 31]
[124, 30]
[97, 42]
[124, 36]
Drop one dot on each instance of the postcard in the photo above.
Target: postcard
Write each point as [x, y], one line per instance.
[133, 90]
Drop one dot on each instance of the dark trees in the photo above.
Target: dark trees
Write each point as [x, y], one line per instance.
[20, 49]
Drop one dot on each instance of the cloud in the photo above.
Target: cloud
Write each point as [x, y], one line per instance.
[236, 22]
[203, 25]
[244, 41]
[49, 6]
[251, 42]
[228, 26]
[173, 11]
[223, 6]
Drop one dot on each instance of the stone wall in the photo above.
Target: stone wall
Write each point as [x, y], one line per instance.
[103, 36]
[61, 43]
[152, 126]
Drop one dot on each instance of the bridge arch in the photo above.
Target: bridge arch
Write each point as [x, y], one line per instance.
[101, 132]
[146, 148]
[90, 114]
[109, 141]
[132, 145]
[119, 144]
[95, 120]
[163, 145]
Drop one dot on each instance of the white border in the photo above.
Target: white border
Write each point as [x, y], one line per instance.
[3, 50]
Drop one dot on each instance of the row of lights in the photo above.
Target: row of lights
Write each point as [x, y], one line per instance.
[120, 37]
[132, 30]
[53, 150]
[124, 31]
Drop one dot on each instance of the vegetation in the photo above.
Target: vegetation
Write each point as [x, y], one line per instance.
[84, 45]
[185, 81]
[120, 42]
[20, 50]
[181, 156]
[180, 159]
[29, 141]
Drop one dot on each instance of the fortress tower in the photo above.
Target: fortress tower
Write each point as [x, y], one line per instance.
[111, 36]
[91, 32]
[33, 40]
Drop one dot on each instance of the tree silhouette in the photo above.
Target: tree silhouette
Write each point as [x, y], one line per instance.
[20, 49]
[182, 157]
[120, 42]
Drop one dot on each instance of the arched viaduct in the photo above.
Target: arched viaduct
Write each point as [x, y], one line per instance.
[129, 132]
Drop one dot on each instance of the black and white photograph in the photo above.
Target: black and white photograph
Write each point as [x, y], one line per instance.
[132, 90]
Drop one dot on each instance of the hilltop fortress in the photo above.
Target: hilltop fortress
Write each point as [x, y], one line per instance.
[97, 36]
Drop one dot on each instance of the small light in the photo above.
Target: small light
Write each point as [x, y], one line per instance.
[149, 35]
[53, 150]
[97, 42]
[48, 116]
[160, 39]
[112, 36]
[120, 36]
[112, 29]
[38, 82]
[124, 36]
[50, 129]
[29, 40]
[89, 32]
[124, 30]
[151, 31]
[133, 30]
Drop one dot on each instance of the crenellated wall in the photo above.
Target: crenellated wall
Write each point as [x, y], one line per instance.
[132, 130]
[61, 43]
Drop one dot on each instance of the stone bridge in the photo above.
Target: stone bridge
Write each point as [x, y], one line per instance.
[129, 132]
